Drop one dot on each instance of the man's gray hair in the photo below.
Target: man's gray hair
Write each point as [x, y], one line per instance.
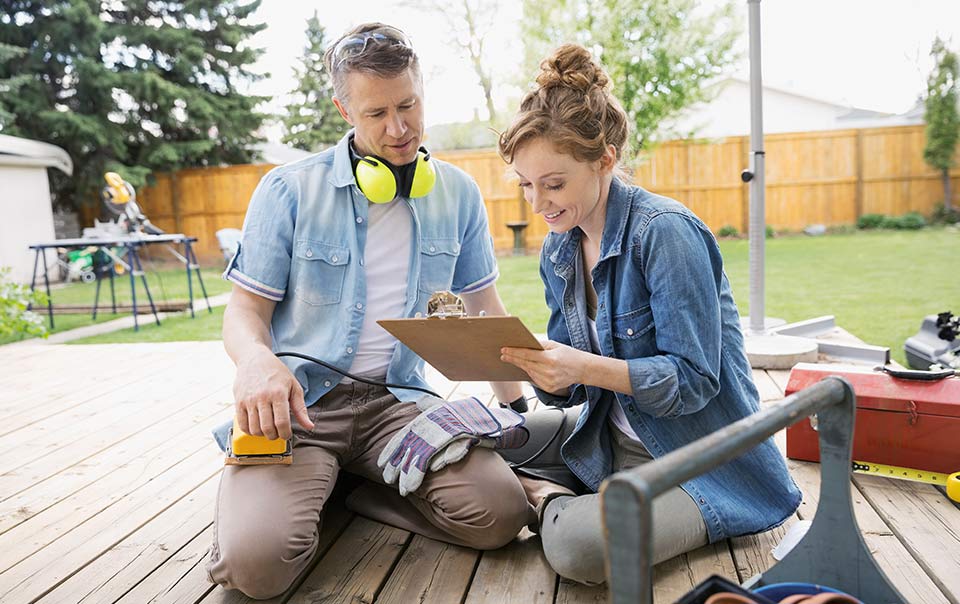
[374, 48]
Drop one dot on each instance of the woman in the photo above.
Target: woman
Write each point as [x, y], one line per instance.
[649, 345]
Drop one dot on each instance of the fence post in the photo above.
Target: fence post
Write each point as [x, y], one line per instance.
[175, 202]
[858, 162]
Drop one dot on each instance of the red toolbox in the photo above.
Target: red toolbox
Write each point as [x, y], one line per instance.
[899, 422]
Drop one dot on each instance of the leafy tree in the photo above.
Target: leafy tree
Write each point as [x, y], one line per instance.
[9, 86]
[312, 120]
[132, 86]
[942, 115]
[467, 25]
[659, 53]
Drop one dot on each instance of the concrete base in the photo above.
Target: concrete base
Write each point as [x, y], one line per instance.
[768, 324]
[779, 352]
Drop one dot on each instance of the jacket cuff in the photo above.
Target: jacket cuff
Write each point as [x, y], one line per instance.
[656, 387]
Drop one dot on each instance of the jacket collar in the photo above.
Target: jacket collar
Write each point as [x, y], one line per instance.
[614, 226]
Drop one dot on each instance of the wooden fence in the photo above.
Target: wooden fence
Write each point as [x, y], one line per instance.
[829, 177]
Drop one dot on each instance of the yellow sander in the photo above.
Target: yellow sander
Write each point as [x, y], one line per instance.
[248, 450]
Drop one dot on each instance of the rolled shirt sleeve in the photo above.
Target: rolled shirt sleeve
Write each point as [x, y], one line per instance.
[476, 266]
[684, 273]
[262, 262]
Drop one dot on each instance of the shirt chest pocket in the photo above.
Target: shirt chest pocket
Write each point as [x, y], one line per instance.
[438, 259]
[321, 269]
[634, 334]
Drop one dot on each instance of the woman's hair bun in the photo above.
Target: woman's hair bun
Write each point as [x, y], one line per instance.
[571, 66]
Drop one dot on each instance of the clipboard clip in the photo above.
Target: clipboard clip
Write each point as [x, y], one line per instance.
[444, 304]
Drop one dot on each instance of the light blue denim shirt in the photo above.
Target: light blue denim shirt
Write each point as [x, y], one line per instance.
[665, 306]
[302, 246]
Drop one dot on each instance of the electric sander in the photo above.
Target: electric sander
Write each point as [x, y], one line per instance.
[248, 450]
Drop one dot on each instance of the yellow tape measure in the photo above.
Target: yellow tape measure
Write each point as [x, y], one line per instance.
[950, 481]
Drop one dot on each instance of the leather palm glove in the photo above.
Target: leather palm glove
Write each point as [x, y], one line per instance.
[443, 434]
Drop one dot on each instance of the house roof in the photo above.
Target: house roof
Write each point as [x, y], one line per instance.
[16, 151]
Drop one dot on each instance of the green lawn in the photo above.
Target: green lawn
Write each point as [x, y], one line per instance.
[879, 285]
[168, 284]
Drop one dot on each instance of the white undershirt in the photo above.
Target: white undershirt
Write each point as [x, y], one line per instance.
[616, 411]
[386, 261]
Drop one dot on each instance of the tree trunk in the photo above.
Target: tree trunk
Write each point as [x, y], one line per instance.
[947, 194]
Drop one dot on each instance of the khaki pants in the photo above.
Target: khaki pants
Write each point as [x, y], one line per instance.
[268, 517]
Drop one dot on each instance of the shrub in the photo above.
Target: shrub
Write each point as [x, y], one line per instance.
[770, 232]
[15, 319]
[871, 221]
[728, 230]
[911, 221]
[942, 215]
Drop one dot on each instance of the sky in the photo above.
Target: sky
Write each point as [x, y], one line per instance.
[872, 54]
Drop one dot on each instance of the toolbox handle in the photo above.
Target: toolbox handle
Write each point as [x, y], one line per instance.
[916, 374]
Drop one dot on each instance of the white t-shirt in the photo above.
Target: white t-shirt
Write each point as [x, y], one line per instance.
[617, 416]
[389, 230]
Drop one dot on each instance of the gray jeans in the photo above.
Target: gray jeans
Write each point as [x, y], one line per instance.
[572, 527]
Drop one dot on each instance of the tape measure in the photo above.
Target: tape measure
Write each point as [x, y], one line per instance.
[951, 481]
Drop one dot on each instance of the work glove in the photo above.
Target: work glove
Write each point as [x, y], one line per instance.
[443, 434]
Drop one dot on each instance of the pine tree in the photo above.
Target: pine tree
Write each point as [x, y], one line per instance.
[9, 86]
[942, 115]
[312, 121]
[133, 86]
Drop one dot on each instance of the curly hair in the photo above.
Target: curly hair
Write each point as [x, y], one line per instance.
[571, 106]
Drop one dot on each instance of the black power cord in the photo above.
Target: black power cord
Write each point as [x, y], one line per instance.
[357, 378]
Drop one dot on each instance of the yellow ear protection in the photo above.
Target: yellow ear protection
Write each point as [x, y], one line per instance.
[117, 189]
[382, 182]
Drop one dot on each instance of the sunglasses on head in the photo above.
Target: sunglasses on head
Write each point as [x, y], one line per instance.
[355, 45]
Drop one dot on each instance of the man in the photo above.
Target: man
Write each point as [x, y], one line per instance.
[318, 264]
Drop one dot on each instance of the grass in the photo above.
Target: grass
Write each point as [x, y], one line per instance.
[879, 285]
[168, 284]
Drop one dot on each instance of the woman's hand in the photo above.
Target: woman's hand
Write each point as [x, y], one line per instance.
[553, 369]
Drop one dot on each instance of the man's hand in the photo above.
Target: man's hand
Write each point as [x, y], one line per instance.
[553, 369]
[266, 392]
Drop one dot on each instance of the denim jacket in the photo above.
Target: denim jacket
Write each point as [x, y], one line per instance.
[665, 306]
[302, 246]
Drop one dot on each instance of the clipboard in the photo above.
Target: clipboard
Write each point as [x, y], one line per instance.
[465, 348]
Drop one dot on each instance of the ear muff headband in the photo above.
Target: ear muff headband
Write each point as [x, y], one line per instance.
[382, 182]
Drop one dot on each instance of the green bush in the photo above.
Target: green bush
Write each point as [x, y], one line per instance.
[943, 216]
[728, 230]
[910, 221]
[15, 319]
[871, 221]
[770, 232]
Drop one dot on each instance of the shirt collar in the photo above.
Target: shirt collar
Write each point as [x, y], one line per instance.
[615, 224]
[342, 173]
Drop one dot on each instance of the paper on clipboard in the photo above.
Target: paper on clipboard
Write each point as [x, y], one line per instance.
[465, 348]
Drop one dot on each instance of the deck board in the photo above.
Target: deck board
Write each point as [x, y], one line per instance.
[108, 478]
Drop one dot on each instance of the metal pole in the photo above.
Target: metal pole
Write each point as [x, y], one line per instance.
[758, 228]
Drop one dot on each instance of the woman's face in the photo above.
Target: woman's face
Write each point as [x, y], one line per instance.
[565, 191]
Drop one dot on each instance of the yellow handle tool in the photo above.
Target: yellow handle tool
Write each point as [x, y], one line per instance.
[951, 481]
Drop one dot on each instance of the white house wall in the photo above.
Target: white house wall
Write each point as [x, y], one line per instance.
[26, 217]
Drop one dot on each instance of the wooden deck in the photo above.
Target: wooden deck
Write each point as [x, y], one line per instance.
[108, 476]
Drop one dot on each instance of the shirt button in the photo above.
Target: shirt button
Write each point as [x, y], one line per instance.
[334, 258]
[361, 262]
[433, 249]
[629, 332]
[349, 350]
[327, 383]
[359, 219]
[359, 306]
[309, 253]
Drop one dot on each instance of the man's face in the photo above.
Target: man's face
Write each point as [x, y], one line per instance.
[387, 114]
